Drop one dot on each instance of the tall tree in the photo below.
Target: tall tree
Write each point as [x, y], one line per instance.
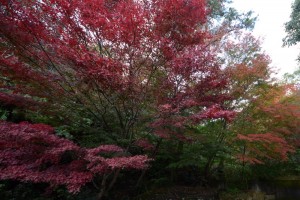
[128, 68]
[100, 60]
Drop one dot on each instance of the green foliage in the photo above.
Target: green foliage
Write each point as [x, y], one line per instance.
[202, 160]
[222, 13]
[62, 131]
[3, 114]
[292, 27]
[293, 78]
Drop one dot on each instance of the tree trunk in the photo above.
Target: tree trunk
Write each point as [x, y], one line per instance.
[152, 156]
[103, 188]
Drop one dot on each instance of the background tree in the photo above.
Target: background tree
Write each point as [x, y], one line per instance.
[292, 27]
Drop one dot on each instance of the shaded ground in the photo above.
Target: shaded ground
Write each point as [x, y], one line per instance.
[181, 193]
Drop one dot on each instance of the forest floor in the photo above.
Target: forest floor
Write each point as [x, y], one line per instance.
[202, 193]
[181, 193]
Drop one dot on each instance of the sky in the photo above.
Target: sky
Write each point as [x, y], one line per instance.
[272, 14]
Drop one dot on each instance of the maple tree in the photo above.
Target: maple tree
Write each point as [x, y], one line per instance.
[109, 65]
[275, 114]
[130, 67]
[260, 100]
[264, 128]
[213, 141]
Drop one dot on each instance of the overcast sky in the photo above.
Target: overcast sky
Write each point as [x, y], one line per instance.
[272, 14]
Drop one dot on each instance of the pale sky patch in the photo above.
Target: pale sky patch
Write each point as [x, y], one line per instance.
[272, 14]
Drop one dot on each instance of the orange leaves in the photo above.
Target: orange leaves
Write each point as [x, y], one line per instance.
[266, 138]
[268, 111]
[275, 117]
[260, 147]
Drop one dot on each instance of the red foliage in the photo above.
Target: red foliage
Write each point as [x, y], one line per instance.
[214, 112]
[31, 152]
[126, 54]
[145, 144]
[179, 19]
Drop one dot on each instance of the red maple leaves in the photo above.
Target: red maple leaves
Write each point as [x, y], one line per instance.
[112, 55]
[31, 152]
